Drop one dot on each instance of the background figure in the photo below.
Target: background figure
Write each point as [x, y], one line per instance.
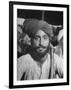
[23, 41]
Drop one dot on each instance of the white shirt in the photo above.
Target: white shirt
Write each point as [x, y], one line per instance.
[29, 69]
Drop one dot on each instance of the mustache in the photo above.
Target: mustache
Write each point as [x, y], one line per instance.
[41, 46]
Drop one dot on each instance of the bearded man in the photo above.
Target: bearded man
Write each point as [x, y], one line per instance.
[39, 63]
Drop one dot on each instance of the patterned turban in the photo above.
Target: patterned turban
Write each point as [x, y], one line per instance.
[31, 26]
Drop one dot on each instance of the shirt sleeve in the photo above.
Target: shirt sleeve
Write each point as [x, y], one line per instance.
[21, 67]
[59, 66]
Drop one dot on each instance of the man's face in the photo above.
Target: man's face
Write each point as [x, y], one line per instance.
[40, 42]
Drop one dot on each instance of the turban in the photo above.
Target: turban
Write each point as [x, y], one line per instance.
[31, 26]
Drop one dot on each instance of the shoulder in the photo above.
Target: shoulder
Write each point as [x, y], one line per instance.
[59, 65]
[25, 59]
[23, 65]
[57, 57]
[58, 61]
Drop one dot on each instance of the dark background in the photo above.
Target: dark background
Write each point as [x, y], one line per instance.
[52, 17]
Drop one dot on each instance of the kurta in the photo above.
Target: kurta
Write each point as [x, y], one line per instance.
[30, 69]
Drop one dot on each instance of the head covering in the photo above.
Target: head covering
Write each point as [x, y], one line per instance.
[31, 26]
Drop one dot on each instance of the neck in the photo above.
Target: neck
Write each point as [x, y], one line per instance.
[39, 57]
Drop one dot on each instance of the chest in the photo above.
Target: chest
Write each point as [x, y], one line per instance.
[37, 71]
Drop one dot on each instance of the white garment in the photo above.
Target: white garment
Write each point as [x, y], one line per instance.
[29, 69]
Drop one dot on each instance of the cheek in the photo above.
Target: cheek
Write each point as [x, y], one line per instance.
[45, 42]
[35, 43]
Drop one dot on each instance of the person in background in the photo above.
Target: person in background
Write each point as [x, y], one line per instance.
[23, 41]
[40, 62]
[19, 39]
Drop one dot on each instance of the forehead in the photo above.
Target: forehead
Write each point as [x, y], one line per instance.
[40, 33]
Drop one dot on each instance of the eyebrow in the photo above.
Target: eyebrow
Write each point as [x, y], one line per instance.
[45, 36]
[39, 36]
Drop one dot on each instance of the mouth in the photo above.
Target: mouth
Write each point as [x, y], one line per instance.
[41, 49]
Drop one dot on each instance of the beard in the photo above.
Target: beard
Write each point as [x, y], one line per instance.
[37, 53]
[41, 50]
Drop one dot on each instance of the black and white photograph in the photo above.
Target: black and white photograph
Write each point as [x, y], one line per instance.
[39, 39]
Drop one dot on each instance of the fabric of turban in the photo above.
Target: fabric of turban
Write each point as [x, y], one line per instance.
[31, 26]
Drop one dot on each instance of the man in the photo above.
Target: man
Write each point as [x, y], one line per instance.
[40, 62]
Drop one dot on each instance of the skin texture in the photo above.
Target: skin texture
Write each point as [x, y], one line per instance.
[40, 42]
[40, 46]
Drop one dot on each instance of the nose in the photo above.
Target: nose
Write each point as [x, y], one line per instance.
[41, 41]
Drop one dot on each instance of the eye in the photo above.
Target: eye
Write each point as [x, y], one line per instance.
[45, 37]
[36, 38]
